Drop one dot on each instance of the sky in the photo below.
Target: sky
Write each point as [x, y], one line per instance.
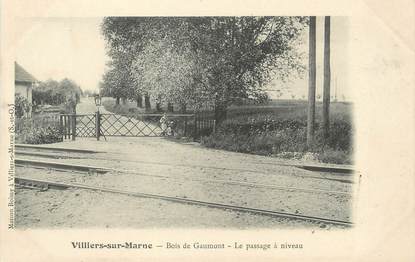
[55, 48]
[339, 45]
[63, 47]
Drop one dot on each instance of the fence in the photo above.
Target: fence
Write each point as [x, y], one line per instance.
[24, 124]
[96, 125]
[29, 128]
[182, 125]
[144, 125]
[204, 124]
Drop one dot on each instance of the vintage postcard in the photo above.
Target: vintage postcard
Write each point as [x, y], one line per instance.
[179, 130]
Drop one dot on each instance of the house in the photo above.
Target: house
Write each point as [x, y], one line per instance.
[23, 84]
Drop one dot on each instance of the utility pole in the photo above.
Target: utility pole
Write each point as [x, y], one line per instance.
[311, 82]
[327, 78]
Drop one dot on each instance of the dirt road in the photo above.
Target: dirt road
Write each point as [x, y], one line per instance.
[118, 125]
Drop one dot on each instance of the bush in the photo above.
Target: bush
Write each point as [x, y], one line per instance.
[22, 106]
[44, 135]
[340, 136]
[268, 136]
[335, 157]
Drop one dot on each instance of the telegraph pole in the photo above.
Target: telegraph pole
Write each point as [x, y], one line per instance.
[327, 78]
[311, 82]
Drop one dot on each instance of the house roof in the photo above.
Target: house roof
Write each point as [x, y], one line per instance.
[21, 75]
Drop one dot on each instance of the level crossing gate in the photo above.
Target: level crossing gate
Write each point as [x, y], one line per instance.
[138, 125]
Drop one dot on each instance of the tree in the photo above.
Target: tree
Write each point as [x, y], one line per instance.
[326, 85]
[311, 82]
[166, 73]
[53, 92]
[117, 81]
[241, 53]
[205, 60]
[22, 106]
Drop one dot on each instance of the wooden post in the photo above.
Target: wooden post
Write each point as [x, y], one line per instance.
[195, 127]
[61, 125]
[327, 72]
[185, 126]
[66, 126]
[73, 125]
[97, 125]
[311, 82]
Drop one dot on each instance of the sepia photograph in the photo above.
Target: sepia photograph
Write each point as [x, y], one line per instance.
[237, 122]
[176, 130]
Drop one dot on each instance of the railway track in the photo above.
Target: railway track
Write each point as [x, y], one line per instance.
[59, 166]
[99, 170]
[45, 184]
[56, 149]
[344, 178]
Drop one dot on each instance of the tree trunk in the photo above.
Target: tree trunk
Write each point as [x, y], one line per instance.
[147, 102]
[124, 101]
[311, 82]
[158, 104]
[183, 108]
[170, 107]
[117, 101]
[327, 80]
[139, 101]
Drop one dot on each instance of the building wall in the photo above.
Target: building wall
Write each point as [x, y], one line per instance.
[25, 90]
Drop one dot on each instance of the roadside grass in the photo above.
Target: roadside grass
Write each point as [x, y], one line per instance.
[280, 131]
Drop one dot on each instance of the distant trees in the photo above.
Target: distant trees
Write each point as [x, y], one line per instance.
[198, 61]
[89, 93]
[52, 92]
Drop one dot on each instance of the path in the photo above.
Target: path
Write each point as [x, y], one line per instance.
[115, 124]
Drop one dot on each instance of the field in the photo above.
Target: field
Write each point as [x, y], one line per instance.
[289, 109]
[278, 129]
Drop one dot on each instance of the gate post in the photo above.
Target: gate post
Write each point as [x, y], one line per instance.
[185, 126]
[73, 126]
[61, 125]
[195, 127]
[97, 125]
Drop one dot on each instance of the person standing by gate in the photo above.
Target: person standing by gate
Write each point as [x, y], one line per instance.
[163, 124]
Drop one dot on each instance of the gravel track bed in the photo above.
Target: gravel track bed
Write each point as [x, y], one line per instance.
[74, 208]
[284, 176]
[306, 203]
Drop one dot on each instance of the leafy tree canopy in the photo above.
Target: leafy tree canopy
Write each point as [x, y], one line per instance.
[197, 59]
[55, 93]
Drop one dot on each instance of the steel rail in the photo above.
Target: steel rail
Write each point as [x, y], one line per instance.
[44, 155]
[180, 165]
[222, 168]
[301, 166]
[240, 183]
[341, 169]
[32, 183]
[63, 149]
[59, 166]
[186, 178]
